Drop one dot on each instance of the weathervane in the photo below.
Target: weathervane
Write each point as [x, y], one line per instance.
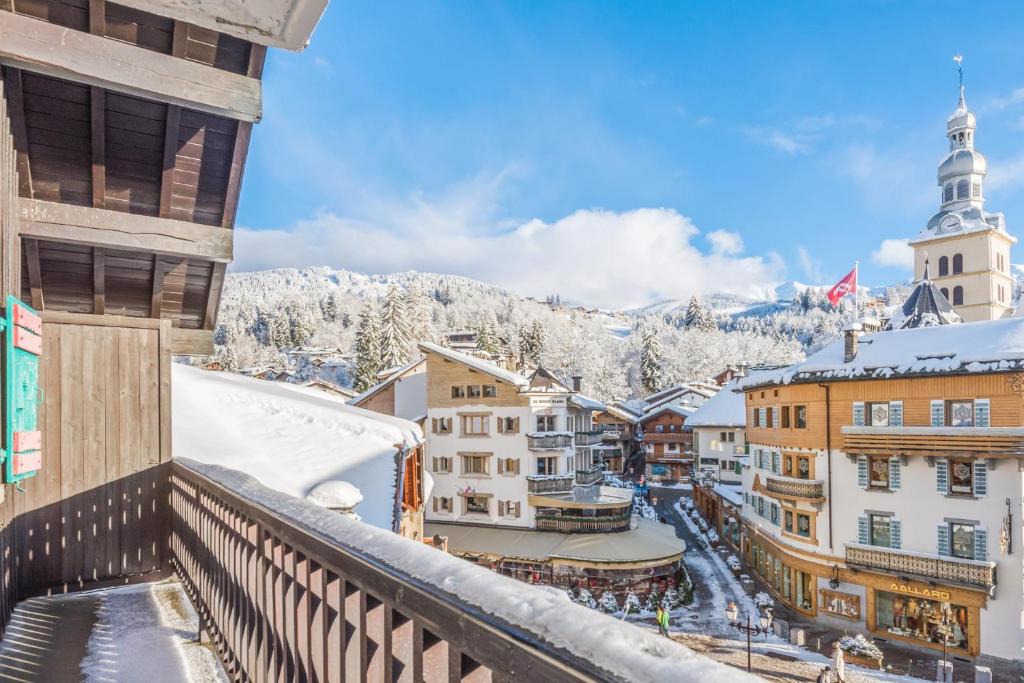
[959, 59]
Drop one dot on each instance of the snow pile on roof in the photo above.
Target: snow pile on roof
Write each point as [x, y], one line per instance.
[336, 495]
[291, 438]
[986, 346]
[536, 612]
[724, 409]
[585, 402]
[683, 410]
[476, 363]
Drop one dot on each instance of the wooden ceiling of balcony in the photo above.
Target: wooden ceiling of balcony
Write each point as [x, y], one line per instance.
[944, 445]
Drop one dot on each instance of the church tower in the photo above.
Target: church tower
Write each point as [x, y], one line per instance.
[968, 247]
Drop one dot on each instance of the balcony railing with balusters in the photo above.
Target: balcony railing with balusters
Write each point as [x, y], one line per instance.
[611, 435]
[560, 483]
[791, 487]
[590, 438]
[548, 442]
[581, 524]
[908, 562]
[589, 476]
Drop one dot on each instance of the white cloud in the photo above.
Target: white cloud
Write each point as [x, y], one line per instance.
[578, 256]
[896, 253]
[725, 242]
[1005, 174]
[891, 179]
[810, 266]
[1015, 97]
[787, 143]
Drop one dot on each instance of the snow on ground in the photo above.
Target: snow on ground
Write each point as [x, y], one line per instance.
[547, 613]
[288, 437]
[147, 634]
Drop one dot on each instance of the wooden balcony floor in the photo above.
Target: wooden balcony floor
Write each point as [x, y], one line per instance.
[142, 633]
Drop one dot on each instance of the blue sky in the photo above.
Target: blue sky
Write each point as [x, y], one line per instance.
[621, 153]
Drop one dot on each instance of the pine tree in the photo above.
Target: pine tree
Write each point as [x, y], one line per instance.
[608, 604]
[300, 320]
[694, 313]
[653, 600]
[706, 322]
[586, 598]
[367, 347]
[487, 335]
[279, 330]
[329, 307]
[650, 360]
[419, 312]
[394, 336]
[632, 605]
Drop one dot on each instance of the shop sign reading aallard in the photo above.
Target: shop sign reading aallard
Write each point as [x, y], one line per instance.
[933, 593]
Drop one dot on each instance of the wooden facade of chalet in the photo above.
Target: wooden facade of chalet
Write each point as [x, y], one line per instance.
[668, 445]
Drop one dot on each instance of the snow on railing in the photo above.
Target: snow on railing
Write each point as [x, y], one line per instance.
[229, 528]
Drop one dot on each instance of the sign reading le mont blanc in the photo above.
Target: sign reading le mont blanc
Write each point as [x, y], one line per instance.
[546, 401]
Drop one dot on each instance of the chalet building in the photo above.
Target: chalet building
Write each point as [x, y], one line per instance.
[403, 393]
[969, 247]
[688, 393]
[719, 435]
[510, 491]
[883, 490]
[667, 442]
[617, 425]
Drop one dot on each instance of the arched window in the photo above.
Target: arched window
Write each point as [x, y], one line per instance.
[943, 265]
[958, 263]
[945, 293]
[947, 193]
[958, 296]
[963, 190]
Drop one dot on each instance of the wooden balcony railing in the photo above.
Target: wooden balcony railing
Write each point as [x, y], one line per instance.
[933, 440]
[668, 437]
[548, 442]
[590, 438]
[806, 489]
[289, 591]
[611, 435]
[906, 562]
[570, 524]
[561, 483]
[591, 475]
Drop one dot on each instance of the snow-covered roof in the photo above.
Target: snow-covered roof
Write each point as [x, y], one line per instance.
[685, 411]
[289, 437]
[732, 494]
[724, 409]
[925, 307]
[476, 363]
[623, 411]
[678, 390]
[397, 374]
[586, 403]
[986, 346]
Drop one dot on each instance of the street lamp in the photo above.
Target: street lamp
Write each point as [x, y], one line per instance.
[732, 613]
[944, 632]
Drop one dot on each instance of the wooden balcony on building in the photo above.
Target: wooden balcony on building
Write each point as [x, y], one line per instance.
[591, 438]
[560, 483]
[589, 476]
[934, 441]
[582, 524]
[611, 435]
[810, 490]
[549, 442]
[909, 563]
[668, 437]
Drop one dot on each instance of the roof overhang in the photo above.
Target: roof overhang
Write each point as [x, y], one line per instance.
[285, 24]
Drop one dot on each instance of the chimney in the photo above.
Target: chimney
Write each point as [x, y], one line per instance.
[850, 335]
[577, 383]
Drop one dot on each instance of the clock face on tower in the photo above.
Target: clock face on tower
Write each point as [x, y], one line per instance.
[949, 224]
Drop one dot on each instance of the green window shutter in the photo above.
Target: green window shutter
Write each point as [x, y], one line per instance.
[895, 474]
[938, 413]
[862, 471]
[858, 414]
[862, 530]
[980, 544]
[895, 534]
[942, 475]
[981, 412]
[895, 413]
[776, 457]
[981, 477]
[943, 539]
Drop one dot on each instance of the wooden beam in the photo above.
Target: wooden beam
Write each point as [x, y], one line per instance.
[179, 39]
[173, 286]
[171, 125]
[188, 342]
[106, 228]
[98, 17]
[234, 188]
[16, 110]
[157, 300]
[257, 57]
[99, 147]
[213, 296]
[99, 280]
[69, 318]
[35, 276]
[52, 50]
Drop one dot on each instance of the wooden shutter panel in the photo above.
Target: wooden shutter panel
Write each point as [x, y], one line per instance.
[501, 465]
[517, 460]
[858, 414]
[895, 474]
[980, 544]
[895, 413]
[776, 457]
[943, 539]
[501, 508]
[501, 425]
[981, 412]
[862, 530]
[435, 465]
[895, 534]
[515, 426]
[862, 471]
[435, 503]
[942, 475]
[980, 477]
[433, 426]
[938, 413]
[518, 508]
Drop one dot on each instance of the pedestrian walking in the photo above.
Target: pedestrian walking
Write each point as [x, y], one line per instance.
[838, 663]
[662, 615]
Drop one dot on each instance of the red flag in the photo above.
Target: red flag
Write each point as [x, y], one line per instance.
[848, 285]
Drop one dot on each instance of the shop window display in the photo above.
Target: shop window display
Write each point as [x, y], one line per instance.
[922, 619]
